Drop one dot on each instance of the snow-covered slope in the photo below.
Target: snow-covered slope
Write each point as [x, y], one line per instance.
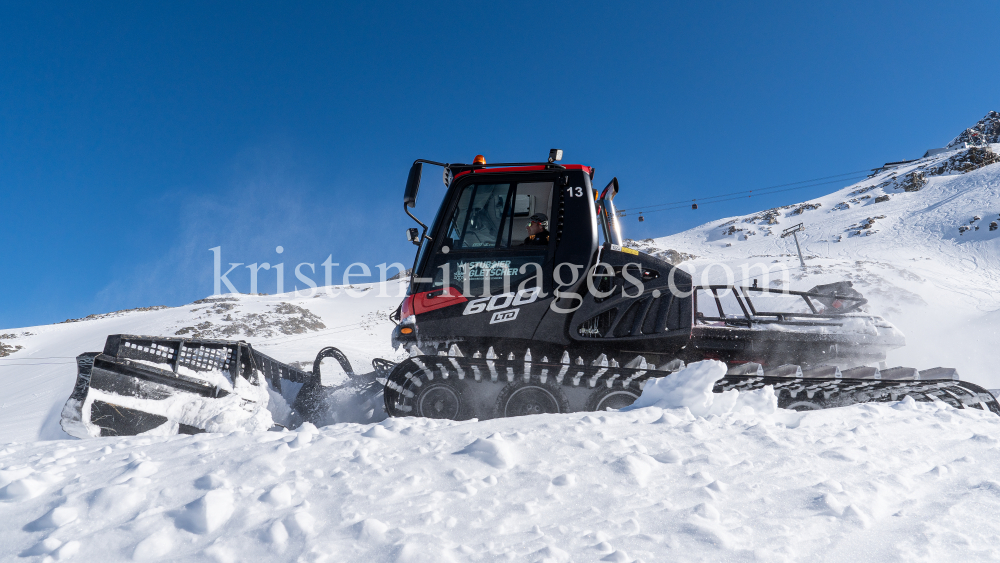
[40, 374]
[886, 482]
[687, 476]
[920, 241]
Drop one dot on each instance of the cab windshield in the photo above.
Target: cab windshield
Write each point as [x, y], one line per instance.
[492, 216]
[483, 244]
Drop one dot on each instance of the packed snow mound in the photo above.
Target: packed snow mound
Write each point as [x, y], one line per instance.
[891, 481]
[690, 387]
[690, 390]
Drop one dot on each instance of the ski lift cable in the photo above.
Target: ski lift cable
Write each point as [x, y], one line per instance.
[749, 193]
[757, 193]
[686, 204]
[39, 364]
[37, 358]
[732, 198]
[758, 190]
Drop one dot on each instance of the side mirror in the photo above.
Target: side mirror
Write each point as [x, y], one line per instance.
[412, 185]
[413, 235]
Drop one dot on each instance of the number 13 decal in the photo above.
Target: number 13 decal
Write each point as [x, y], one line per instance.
[575, 192]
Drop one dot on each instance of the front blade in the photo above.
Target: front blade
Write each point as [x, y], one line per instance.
[119, 397]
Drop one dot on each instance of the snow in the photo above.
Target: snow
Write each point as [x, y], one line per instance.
[901, 481]
[683, 474]
[691, 388]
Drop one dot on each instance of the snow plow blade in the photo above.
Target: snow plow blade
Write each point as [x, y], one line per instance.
[155, 385]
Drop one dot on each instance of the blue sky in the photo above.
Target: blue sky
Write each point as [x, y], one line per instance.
[135, 136]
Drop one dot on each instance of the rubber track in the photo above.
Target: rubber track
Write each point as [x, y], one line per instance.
[830, 393]
[799, 392]
[418, 370]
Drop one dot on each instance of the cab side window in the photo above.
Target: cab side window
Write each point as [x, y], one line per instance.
[529, 199]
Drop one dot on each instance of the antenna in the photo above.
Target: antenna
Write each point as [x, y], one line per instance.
[791, 231]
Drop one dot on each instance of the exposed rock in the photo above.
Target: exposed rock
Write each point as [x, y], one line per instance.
[881, 198]
[869, 222]
[968, 160]
[986, 130]
[217, 307]
[194, 330]
[854, 200]
[372, 320]
[865, 228]
[860, 191]
[911, 182]
[216, 299]
[733, 230]
[11, 335]
[116, 313]
[674, 257]
[298, 320]
[769, 217]
[283, 318]
[670, 256]
[805, 207]
[403, 274]
[8, 349]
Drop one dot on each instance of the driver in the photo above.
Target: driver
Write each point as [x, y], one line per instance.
[537, 229]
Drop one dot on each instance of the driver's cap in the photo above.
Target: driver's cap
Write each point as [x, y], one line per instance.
[541, 218]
